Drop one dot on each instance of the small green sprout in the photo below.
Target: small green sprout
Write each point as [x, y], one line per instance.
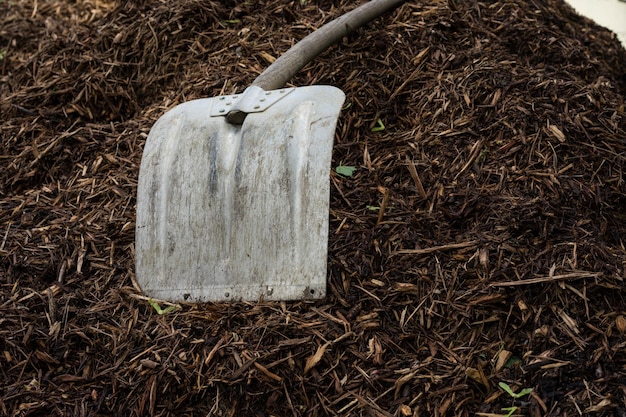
[510, 411]
[345, 171]
[161, 311]
[512, 362]
[229, 22]
[3, 53]
[509, 391]
[379, 126]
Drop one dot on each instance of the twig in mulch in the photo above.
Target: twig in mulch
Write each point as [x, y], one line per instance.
[550, 278]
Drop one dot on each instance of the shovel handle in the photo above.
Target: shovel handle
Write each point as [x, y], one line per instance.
[287, 65]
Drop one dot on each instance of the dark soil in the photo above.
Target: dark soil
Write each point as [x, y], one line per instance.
[498, 257]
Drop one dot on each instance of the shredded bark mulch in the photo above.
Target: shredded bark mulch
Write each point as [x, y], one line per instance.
[478, 246]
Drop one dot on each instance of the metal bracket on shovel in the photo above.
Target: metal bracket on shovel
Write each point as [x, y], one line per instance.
[253, 100]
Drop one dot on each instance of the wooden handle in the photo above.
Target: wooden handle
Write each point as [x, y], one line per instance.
[285, 67]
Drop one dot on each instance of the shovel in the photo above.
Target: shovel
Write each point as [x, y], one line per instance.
[233, 191]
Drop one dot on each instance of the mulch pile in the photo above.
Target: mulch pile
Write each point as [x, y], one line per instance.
[479, 242]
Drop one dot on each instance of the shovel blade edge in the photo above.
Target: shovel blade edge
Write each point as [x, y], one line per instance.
[229, 213]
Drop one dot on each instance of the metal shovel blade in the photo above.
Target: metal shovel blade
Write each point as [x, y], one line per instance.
[237, 212]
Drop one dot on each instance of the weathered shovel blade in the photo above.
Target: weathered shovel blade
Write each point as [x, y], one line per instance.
[228, 212]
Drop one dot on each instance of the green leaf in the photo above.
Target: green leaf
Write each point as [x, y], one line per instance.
[161, 311]
[509, 391]
[346, 171]
[510, 410]
[512, 362]
[3, 53]
[156, 306]
[379, 126]
[224, 23]
[506, 388]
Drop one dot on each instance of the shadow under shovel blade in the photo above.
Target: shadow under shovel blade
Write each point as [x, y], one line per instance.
[227, 212]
